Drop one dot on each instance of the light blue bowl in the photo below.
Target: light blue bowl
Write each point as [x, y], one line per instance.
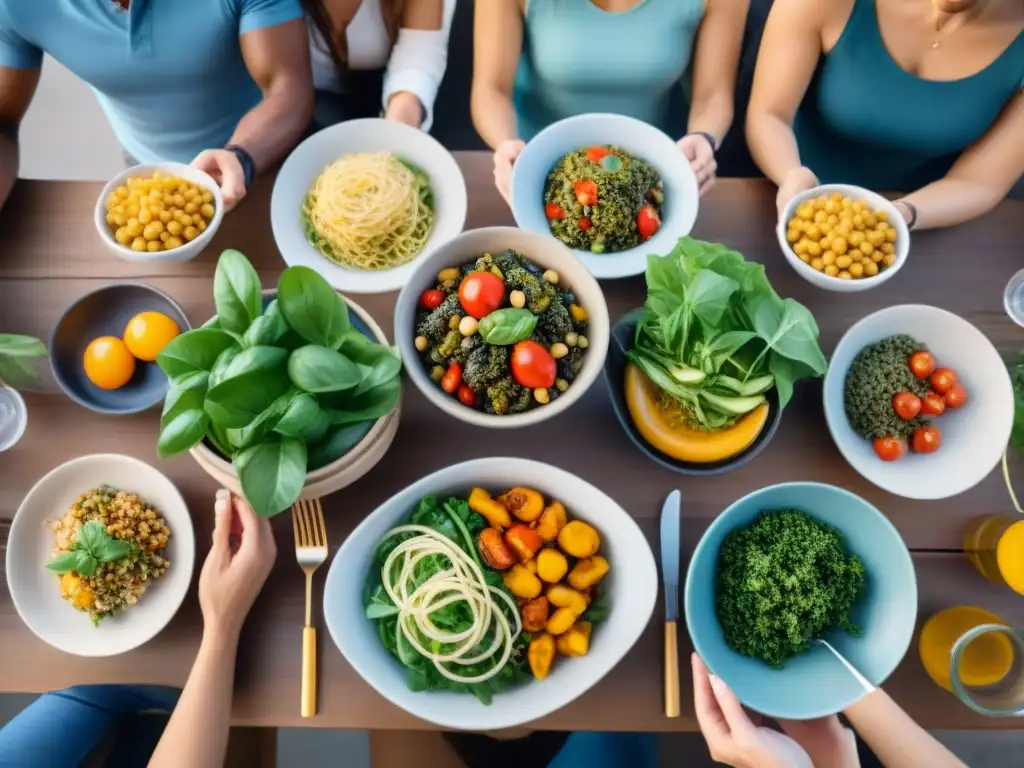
[814, 684]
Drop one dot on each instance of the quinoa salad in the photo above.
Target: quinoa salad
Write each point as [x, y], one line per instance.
[108, 547]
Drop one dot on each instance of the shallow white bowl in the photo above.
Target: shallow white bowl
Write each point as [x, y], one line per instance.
[36, 591]
[633, 583]
[186, 252]
[973, 436]
[308, 161]
[639, 139]
[820, 279]
[547, 253]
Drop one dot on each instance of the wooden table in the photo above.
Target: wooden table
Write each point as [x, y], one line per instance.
[50, 255]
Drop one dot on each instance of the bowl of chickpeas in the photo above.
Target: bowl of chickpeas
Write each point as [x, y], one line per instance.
[159, 212]
[843, 238]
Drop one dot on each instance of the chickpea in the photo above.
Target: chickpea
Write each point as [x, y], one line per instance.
[844, 261]
[871, 269]
[889, 259]
[122, 236]
[818, 264]
[890, 234]
[887, 247]
[844, 275]
[813, 233]
[800, 248]
[154, 245]
[804, 257]
[856, 270]
[139, 244]
[867, 248]
[165, 217]
[825, 243]
[172, 242]
[201, 225]
[153, 230]
[206, 210]
[805, 212]
[832, 207]
[145, 216]
[134, 227]
[541, 396]
[856, 238]
[165, 236]
[793, 235]
[870, 220]
[559, 350]
[132, 211]
[828, 257]
[421, 343]
[831, 270]
[875, 237]
[833, 220]
[550, 276]
[190, 233]
[820, 217]
[858, 221]
[814, 249]
[517, 299]
[175, 228]
[839, 245]
[826, 228]
[191, 208]
[468, 325]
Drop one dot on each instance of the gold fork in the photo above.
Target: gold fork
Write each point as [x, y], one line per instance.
[310, 551]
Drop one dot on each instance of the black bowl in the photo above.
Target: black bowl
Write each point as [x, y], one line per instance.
[614, 375]
[105, 312]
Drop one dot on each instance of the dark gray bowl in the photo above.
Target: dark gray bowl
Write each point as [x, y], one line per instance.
[105, 312]
[614, 375]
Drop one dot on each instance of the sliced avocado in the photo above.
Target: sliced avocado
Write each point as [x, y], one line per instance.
[736, 406]
[747, 388]
[684, 374]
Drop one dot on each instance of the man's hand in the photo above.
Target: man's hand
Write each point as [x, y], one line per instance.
[504, 156]
[225, 169]
[405, 108]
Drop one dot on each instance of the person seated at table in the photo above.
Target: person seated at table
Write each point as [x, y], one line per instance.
[374, 56]
[918, 96]
[224, 84]
[539, 61]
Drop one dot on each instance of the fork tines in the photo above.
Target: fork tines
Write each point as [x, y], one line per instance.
[308, 521]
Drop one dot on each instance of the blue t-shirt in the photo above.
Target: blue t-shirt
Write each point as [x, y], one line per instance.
[168, 73]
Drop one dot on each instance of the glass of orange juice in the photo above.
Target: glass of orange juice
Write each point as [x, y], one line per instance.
[995, 545]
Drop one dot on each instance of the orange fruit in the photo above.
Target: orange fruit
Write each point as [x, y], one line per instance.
[148, 333]
[108, 363]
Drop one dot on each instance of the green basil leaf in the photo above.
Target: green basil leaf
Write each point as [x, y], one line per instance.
[236, 292]
[267, 329]
[220, 366]
[92, 536]
[272, 474]
[319, 369]
[15, 345]
[218, 437]
[317, 430]
[87, 564]
[312, 308]
[66, 561]
[387, 367]
[114, 549]
[302, 411]
[254, 379]
[263, 424]
[193, 351]
[507, 326]
[182, 432]
[379, 401]
[19, 372]
[186, 394]
[339, 441]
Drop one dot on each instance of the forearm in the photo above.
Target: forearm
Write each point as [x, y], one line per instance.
[772, 145]
[274, 126]
[416, 67]
[493, 115]
[8, 162]
[197, 734]
[951, 201]
[712, 114]
[895, 738]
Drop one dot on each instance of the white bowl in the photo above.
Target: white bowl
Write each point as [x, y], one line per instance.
[546, 252]
[187, 251]
[973, 436]
[639, 139]
[633, 583]
[36, 590]
[820, 279]
[308, 161]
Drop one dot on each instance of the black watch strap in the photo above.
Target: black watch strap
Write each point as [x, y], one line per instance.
[708, 136]
[248, 164]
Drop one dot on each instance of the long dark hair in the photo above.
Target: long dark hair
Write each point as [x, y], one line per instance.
[335, 39]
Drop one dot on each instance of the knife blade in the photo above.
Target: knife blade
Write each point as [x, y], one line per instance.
[670, 554]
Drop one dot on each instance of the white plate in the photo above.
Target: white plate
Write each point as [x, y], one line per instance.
[36, 591]
[973, 436]
[639, 139]
[632, 583]
[321, 149]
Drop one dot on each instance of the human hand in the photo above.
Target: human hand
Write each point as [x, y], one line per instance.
[233, 576]
[731, 736]
[504, 156]
[698, 150]
[404, 107]
[225, 169]
[797, 180]
[825, 740]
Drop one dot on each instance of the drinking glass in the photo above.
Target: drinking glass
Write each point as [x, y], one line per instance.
[996, 688]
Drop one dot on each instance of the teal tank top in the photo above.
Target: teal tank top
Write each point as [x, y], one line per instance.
[867, 121]
[578, 58]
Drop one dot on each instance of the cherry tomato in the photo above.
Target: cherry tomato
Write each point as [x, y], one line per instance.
[467, 396]
[927, 439]
[943, 380]
[584, 224]
[553, 211]
[907, 405]
[922, 364]
[533, 366]
[452, 378]
[932, 404]
[647, 222]
[596, 154]
[889, 448]
[431, 298]
[586, 191]
[480, 293]
[956, 396]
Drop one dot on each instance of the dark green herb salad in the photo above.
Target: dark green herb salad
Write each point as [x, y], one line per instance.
[603, 200]
[501, 334]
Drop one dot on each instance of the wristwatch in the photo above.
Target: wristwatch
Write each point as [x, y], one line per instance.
[246, 161]
[708, 136]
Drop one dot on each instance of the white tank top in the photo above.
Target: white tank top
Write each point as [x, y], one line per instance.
[369, 46]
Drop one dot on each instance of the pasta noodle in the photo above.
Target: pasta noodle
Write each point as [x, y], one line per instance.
[369, 211]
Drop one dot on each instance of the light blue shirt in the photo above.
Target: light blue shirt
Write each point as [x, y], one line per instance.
[168, 73]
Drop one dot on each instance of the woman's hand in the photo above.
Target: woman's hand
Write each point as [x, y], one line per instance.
[825, 740]
[504, 156]
[797, 180]
[731, 736]
[225, 169]
[405, 108]
[698, 150]
[234, 572]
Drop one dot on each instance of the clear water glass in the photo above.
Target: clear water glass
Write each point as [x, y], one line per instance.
[1002, 697]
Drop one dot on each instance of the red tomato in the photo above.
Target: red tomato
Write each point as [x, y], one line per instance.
[467, 396]
[480, 293]
[922, 364]
[584, 224]
[907, 405]
[553, 211]
[927, 439]
[586, 191]
[943, 380]
[889, 448]
[956, 396]
[533, 366]
[597, 154]
[647, 221]
[431, 298]
[932, 404]
[452, 378]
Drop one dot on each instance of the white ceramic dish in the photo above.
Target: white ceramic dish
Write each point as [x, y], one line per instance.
[820, 279]
[321, 149]
[546, 252]
[36, 591]
[186, 252]
[633, 584]
[973, 436]
[639, 139]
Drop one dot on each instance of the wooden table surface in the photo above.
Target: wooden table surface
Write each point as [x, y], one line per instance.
[50, 255]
